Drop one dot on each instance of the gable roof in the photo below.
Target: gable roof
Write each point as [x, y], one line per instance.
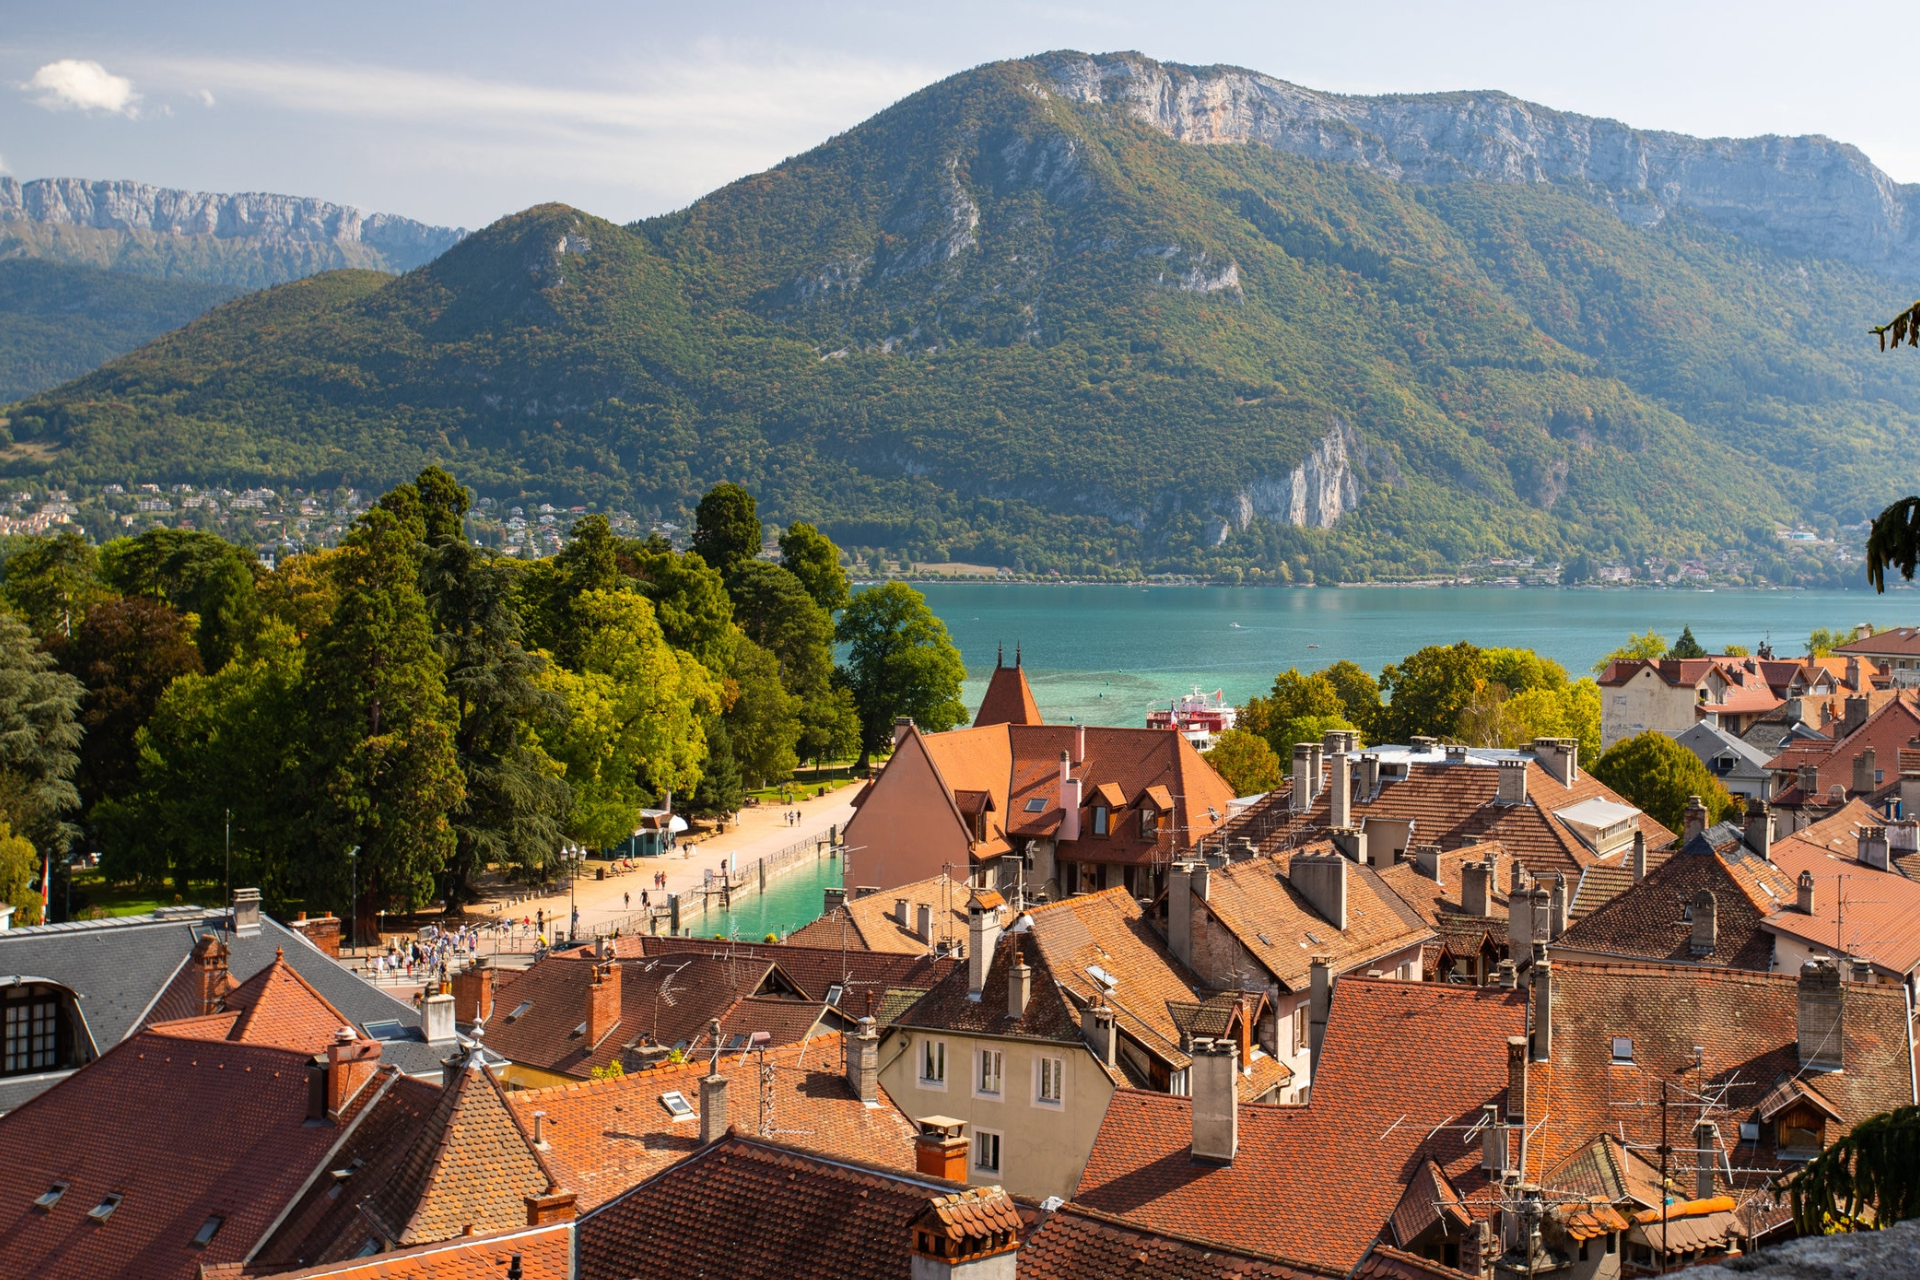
[545, 1253]
[865, 977]
[1318, 1182]
[278, 1007]
[1009, 699]
[1438, 899]
[605, 1136]
[1886, 730]
[1898, 641]
[1858, 910]
[1143, 981]
[1048, 1016]
[1647, 919]
[868, 924]
[1078, 1243]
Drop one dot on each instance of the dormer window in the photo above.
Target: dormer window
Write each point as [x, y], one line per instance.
[1149, 824]
[1099, 819]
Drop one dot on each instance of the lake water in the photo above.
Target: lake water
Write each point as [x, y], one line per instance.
[790, 901]
[1103, 654]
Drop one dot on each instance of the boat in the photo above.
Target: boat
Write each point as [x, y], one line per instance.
[1199, 717]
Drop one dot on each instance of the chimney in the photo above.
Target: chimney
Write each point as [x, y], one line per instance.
[1019, 983]
[1517, 1078]
[1319, 1007]
[1340, 790]
[1321, 878]
[1495, 1152]
[1809, 780]
[940, 1150]
[1821, 1032]
[713, 1105]
[1069, 802]
[1706, 924]
[246, 912]
[603, 1003]
[1216, 1100]
[974, 1234]
[1189, 882]
[1513, 782]
[1096, 1027]
[1516, 878]
[1560, 757]
[1856, 706]
[1542, 1010]
[1862, 970]
[210, 973]
[436, 1019]
[1871, 847]
[1421, 744]
[1637, 860]
[1351, 842]
[473, 992]
[832, 900]
[1519, 922]
[1300, 798]
[983, 931]
[1314, 777]
[1509, 976]
[555, 1206]
[1706, 1146]
[1804, 897]
[1426, 859]
[902, 726]
[1369, 775]
[1558, 906]
[1476, 897]
[1693, 822]
[900, 913]
[1760, 828]
[351, 1062]
[863, 1063]
[1864, 767]
[1079, 742]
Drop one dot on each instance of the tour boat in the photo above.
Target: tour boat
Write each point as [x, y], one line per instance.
[1200, 717]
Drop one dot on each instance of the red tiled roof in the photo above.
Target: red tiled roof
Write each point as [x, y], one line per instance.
[606, 1135]
[868, 924]
[1888, 729]
[1108, 931]
[1898, 641]
[1388, 1263]
[1647, 920]
[1009, 699]
[947, 1006]
[1318, 1182]
[1858, 910]
[135, 1123]
[1078, 1243]
[862, 975]
[1438, 901]
[545, 1253]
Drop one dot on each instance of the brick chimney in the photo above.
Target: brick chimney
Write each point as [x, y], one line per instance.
[473, 992]
[1322, 880]
[940, 1150]
[603, 1003]
[1517, 1078]
[1319, 1005]
[1513, 782]
[1560, 757]
[1871, 847]
[436, 1019]
[1856, 706]
[210, 973]
[1803, 897]
[555, 1206]
[1820, 1010]
[1706, 923]
[1019, 982]
[1637, 860]
[1542, 1009]
[1693, 822]
[1476, 896]
[983, 933]
[863, 1062]
[349, 1063]
[1215, 1076]
[1760, 828]
[1340, 790]
[1706, 1147]
[713, 1104]
[902, 726]
[1864, 767]
[973, 1235]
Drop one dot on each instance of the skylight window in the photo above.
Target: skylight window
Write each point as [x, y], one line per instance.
[1036, 804]
[519, 1010]
[208, 1230]
[738, 1040]
[580, 1030]
[46, 1202]
[1623, 1050]
[1104, 978]
[835, 993]
[104, 1210]
[390, 1029]
[677, 1105]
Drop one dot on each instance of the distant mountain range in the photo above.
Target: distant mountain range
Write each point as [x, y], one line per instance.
[1105, 313]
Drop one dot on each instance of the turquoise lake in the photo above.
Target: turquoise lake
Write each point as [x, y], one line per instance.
[1103, 654]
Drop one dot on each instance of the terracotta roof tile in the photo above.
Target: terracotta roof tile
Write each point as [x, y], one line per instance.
[1048, 1017]
[1647, 920]
[1858, 910]
[868, 924]
[1438, 901]
[1108, 931]
[1388, 1263]
[1008, 700]
[545, 1253]
[861, 975]
[1078, 1243]
[1888, 729]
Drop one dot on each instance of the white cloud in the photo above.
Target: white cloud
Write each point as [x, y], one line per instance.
[77, 84]
[205, 96]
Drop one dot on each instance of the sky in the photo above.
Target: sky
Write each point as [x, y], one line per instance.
[461, 113]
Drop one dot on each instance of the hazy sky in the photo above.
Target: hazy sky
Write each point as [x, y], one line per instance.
[462, 113]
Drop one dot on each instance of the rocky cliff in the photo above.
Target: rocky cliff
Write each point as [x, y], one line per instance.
[1808, 195]
[306, 231]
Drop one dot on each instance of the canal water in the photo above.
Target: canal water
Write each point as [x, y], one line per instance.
[790, 901]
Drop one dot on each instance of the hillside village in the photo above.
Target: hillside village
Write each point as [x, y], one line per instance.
[1425, 1010]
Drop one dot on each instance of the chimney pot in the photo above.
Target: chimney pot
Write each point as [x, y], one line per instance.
[940, 1150]
[1019, 984]
[1694, 821]
[1760, 828]
[1513, 782]
[1215, 1074]
[1639, 856]
[1096, 1027]
[1509, 975]
[1804, 894]
[540, 1130]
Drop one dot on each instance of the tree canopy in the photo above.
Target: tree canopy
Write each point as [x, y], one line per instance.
[1660, 776]
[901, 662]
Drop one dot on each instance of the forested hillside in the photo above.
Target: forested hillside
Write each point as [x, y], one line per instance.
[999, 322]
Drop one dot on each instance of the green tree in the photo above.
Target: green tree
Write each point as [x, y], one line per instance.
[690, 601]
[722, 786]
[1293, 697]
[829, 725]
[726, 527]
[1659, 775]
[40, 737]
[1866, 1181]
[901, 662]
[52, 582]
[1650, 647]
[1686, 646]
[1824, 640]
[433, 508]
[548, 589]
[1519, 670]
[1309, 728]
[777, 613]
[1246, 762]
[20, 865]
[196, 573]
[385, 773]
[126, 652]
[811, 557]
[1359, 695]
[515, 802]
[763, 724]
[1429, 690]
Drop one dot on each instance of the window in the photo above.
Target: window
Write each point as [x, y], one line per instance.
[1613, 1242]
[992, 1065]
[1036, 804]
[32, 1024]
[986, 1151]
[1149, 824]
[933, 1063]
[44, 1203]
[1100, 820]
[1051, 1071]
[520, 1011]
[1749, 1131]
[1299, 1026]
[208, 1230]
[676, 1104]
[390, 1029]
[104, 1210]
[1623, 1051]
[834, 994]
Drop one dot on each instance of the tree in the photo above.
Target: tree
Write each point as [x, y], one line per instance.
[763, 725]
[433, 508]
[1865, 1181]
[1293, 697]
[1519, 670]
[301, 592]
[690, 602]
[385, 774]
[515, 803]
[1650, 647]
[195, 573]
[1686, 646]
[1824, 640]
[1303, 729]
[901, 663]
[722, 787]
[726, 527]
[1894, 541]
[40, 737]
[548, 589]
[126, 652]
[19, 865]
[1359, 695]
[52, 582]
[1245, 762]
[777, 613]
[1429, 690]
[811, 557]
[1659, 775]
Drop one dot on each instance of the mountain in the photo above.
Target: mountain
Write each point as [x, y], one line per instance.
[91, 270]
[1103, 313]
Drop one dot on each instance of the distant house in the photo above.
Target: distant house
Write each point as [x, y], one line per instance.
[1672, 694]
[1740, 766]
[1814, 777]
[1895, 650]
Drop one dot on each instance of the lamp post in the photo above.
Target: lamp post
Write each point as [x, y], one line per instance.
[574, 853]
[353, 895]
